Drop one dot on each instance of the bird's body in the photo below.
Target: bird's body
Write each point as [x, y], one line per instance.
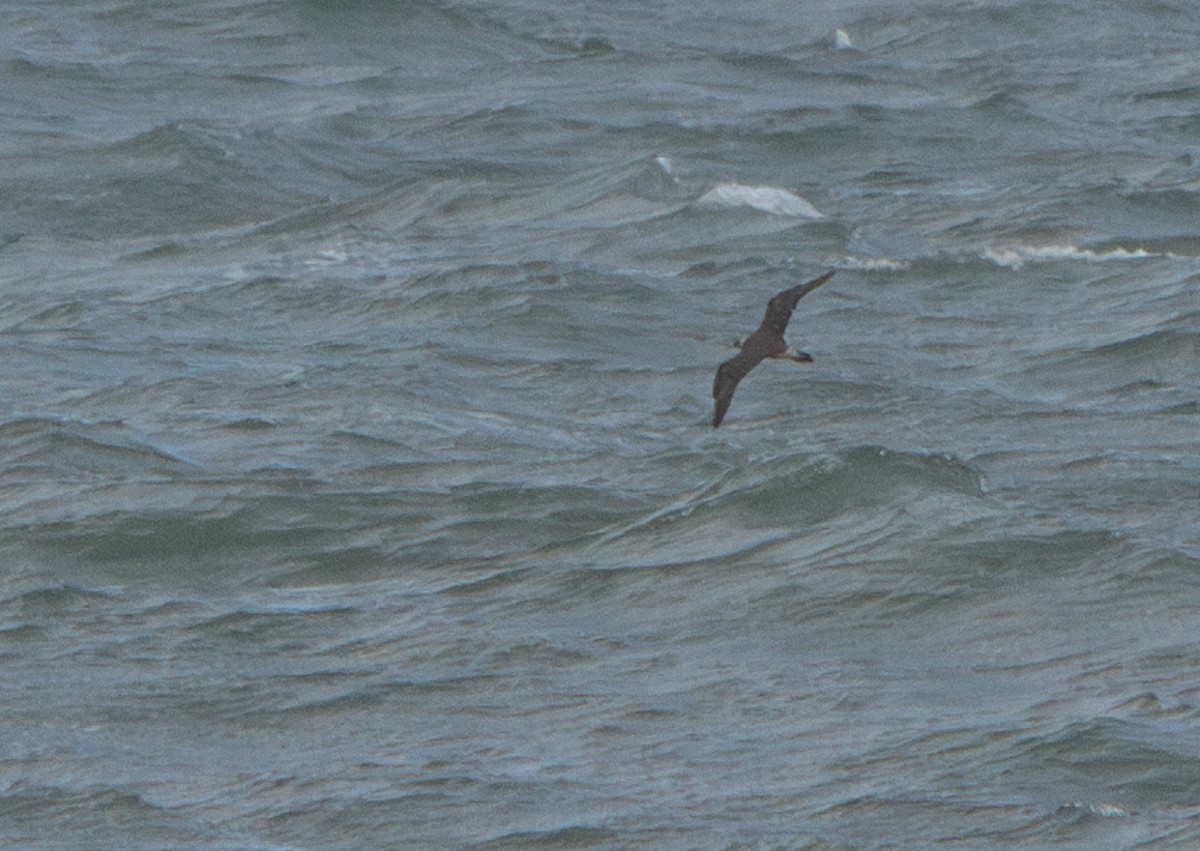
[766, 342]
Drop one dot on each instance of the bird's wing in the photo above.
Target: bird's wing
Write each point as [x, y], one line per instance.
[780, 307]
[729, 374]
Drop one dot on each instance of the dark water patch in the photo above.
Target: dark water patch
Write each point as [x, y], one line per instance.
[535, 655]
[69, 452]
[179, 177]
[292, 322]
[15, 635]
[494, 582]
[433, 39]
[880, 471]
[1174, 128]
[988, 564]
[93, 816]
[292, 632]
[1183, 408]
[1149, 574]
[251, 424]
[38, 614]
[292, 699]
[474, 277]
[858, 821]
[767, 507]
[344, 565]
[1186, 94]
[195, 547]
[1138, 765]
[1159, 357]
[863, 477]
[169, 250]
[22, 67]
[593, 46]
[386, 456]
[353, 820]
[654, 714]
[47, 602]
[777, 67]
[1167, 660]
[497, 518]
[1155, 361]
[1145, 705]
[177, 536]
[170, 393]
[574, 836]
[24, 427]
[877, 604]
[483, 305]
[61, 316]
[1172, 205]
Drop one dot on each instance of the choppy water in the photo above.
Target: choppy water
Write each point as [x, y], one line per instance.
[357, 486]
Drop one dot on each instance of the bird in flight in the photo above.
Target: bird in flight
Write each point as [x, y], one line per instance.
[766, 342]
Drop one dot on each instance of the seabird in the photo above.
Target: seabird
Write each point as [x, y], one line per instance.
[766, 342]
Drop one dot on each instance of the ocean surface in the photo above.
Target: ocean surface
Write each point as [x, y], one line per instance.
[357, 481]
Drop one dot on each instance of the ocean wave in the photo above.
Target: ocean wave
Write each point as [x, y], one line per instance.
[873, 264]
[1143, 369]
[769, 199]
[103, 450]
[1016, 256]
[55, 599]
[1163, 351]
[742, 512]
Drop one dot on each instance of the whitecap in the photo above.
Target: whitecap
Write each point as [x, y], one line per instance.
[874, 264]
[1017, 256]
[1103, 810]
[329, 256]
[769, 199]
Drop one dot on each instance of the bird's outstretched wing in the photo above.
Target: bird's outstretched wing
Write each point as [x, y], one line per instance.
[729, 374]
[767, 341]
[780, 307]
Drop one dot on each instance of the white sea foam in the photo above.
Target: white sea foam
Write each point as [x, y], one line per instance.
[769, 199]
[874, 264]
[1016, 256]
[328, 256]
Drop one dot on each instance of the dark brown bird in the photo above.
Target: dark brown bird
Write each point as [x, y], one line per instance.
[766, 342]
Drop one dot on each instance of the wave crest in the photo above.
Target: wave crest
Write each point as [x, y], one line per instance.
[769, 199]
[1016, 256]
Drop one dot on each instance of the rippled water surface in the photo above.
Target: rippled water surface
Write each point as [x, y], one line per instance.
[357, 486]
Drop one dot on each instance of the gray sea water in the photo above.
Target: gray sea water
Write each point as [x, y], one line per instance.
[357, 487]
